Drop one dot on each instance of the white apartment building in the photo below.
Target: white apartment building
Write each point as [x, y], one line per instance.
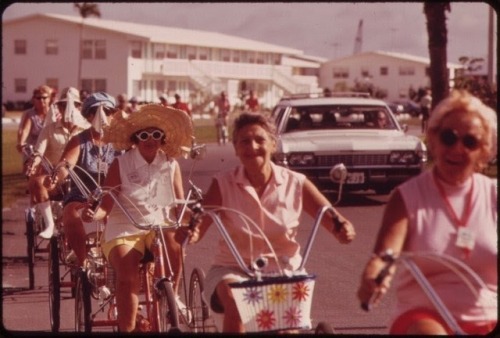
[395, 73]
[147, 61]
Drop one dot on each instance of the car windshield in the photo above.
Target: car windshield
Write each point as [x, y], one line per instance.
[339, 117]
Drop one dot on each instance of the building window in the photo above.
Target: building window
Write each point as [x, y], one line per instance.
[136, 49]
[52, 83]
[260, 58]
[225, 55]
[172, 86]
[204, 53]
[251, 57]
[94, 49]
[244, 56]
[94, 85]
[276, 59]
[51, 47]
[20, 47]
[172, 51]
[384, 70]
[160, 86]
[406, 70]
[340, 73]
[365, 72]
[159, 51]
[21, 86]
[236, 55]
[191, 52]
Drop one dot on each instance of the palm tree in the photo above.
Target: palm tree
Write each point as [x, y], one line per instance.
[438, 39]
[86, 9]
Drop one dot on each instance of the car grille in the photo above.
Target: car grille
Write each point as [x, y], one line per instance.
[352, 160]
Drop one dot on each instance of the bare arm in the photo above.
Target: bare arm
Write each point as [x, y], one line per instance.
[313, 200]
[391, 236]
[23, 132]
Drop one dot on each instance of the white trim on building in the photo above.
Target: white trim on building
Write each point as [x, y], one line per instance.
[147, 61]
[394, 73]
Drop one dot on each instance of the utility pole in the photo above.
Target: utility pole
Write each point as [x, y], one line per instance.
[359, 38]
[490, 46]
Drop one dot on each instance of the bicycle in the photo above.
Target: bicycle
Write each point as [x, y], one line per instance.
[408, 260]
[275, 302]
[159, 310]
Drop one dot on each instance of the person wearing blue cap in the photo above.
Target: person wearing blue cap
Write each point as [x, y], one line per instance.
[86, 151]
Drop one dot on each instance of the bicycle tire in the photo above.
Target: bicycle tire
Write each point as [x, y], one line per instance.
[30, 238]
[197, 305]
[168, 319]
[54, 285]
[82, 303]
[324, 328]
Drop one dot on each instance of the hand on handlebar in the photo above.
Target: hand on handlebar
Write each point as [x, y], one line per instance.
[343, 229]
[375, 281]
[183, 233]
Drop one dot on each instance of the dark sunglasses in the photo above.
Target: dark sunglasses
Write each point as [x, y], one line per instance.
[41, 97]
[155, 135]
[449, 138]
[107, 110]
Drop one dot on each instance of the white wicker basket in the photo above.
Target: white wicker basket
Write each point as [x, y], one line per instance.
[275, 303]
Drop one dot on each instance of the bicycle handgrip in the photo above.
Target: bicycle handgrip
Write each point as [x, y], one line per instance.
[337, 223]
[380, 278]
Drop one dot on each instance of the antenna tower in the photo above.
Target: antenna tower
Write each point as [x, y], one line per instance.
[359, 38]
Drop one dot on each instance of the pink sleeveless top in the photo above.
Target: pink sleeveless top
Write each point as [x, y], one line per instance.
[276, 213]
[431, 230]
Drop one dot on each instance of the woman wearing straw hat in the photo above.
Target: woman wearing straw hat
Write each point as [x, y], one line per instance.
[87, 151]
[147, 180]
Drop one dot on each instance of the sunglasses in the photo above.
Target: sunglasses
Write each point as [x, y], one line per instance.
[107, 110]
[155, 135]
[449, 138]
[41, 97]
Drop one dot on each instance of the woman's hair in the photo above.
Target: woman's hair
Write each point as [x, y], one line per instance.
[246, 119]
[460, 101]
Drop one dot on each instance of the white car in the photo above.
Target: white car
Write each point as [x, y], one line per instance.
[316, 133]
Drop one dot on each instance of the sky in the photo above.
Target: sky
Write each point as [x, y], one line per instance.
[323, 29]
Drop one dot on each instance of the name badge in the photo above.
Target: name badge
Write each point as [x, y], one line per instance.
[465, 238]
[102, 167]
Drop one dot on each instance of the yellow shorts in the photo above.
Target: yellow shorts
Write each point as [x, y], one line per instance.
[138, 242]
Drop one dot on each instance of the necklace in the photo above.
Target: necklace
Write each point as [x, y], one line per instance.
[465, 238]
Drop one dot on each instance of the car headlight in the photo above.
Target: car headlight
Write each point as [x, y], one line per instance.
[301, 159]
[403, 157]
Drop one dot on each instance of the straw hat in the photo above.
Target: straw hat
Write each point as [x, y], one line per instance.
[175, 123]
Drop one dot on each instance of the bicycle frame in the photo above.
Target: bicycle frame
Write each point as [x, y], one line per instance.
[407, 260]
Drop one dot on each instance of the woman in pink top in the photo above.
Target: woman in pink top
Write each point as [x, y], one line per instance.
[273, 197]
[450, 209]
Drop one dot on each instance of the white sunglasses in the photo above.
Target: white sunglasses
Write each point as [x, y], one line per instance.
[145, 135]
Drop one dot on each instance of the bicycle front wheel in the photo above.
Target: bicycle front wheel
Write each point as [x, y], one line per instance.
[197, 303]
[82, 303]
[54, 285]
[168, 319]
[31, 245]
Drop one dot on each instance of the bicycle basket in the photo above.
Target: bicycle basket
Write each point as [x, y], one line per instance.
[275, 303]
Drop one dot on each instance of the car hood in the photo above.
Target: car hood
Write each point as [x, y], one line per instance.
[342, 140]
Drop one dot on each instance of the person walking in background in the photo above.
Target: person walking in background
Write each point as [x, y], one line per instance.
[449, 209]
[252, 103]
[425, 106]
[181, 105]
[274, 197]
[148, 180]
[134, 104]
[33, 119]
[223, 107]
[164, 100]
[50, 143]
[122, 104]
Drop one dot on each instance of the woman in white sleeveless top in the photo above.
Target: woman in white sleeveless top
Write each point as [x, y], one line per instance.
[147, 180]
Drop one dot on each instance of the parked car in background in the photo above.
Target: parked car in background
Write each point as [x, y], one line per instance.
[406, 106]
[315, 133]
